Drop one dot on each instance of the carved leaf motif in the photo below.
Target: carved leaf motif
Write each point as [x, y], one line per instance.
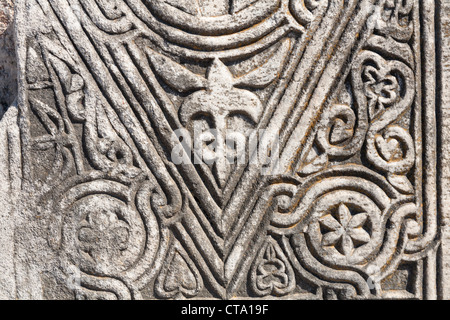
[176, 76]
[179, 276]
[106, 149]
[401, 183]
[313, 163]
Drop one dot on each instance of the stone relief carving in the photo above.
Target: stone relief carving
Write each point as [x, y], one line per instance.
[228, 149]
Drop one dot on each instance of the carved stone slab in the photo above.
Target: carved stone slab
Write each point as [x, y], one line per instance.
[273, 149]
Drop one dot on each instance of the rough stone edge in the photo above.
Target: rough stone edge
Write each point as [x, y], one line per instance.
[443, 152]
[9, 189]
[10, 162]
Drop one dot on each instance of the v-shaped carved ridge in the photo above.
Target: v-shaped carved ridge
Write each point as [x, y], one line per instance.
[237, 225]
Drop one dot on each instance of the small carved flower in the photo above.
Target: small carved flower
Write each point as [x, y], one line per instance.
[381, 89]
[345, 232]
[103, 235]
[397, 12]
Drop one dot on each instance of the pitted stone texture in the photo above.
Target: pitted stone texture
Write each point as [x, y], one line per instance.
[6, 14]
[139, 174]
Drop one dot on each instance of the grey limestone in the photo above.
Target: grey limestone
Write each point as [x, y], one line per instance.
[217, 149]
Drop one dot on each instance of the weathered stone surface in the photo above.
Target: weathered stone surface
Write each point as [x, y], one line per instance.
[274, 149]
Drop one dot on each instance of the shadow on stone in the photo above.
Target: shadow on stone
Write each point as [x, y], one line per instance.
[8, 69]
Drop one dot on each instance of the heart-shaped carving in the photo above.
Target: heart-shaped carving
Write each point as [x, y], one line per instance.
[340, 132]
[389, 149]
[179, 276]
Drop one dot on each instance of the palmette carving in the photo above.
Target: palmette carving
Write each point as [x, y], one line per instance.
[141, 214]
[272, 273]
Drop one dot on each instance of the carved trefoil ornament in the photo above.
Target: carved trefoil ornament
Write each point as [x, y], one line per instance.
[229, 149]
